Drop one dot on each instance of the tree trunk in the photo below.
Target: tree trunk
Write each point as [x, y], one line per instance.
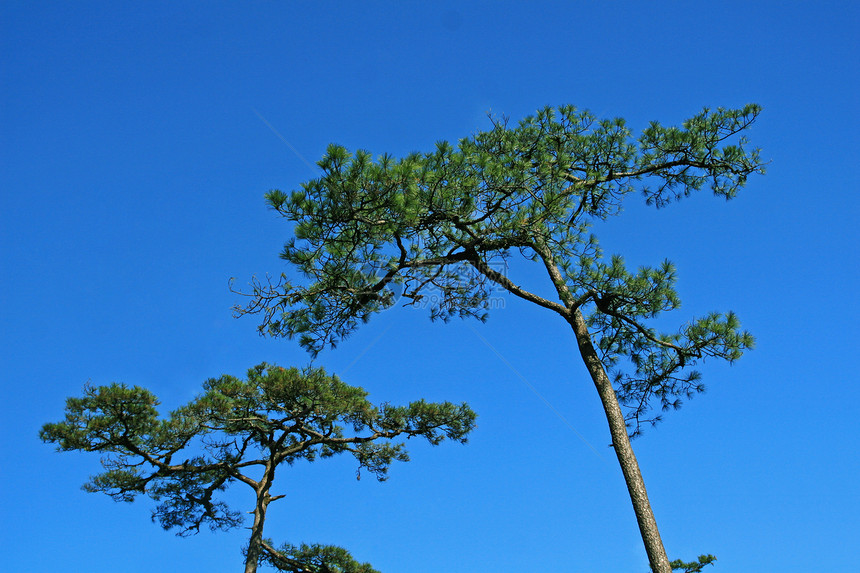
[623, 450]
[255, 543]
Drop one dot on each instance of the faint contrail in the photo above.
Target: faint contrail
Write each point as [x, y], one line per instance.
[533, 389]
[282, 138]
[366, 348]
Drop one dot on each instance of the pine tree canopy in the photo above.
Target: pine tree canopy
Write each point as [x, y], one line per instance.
[243, 431]
[435, 229]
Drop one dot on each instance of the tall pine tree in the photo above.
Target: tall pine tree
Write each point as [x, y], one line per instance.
[438, 223]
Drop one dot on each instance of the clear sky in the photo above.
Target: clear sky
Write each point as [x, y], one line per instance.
[137, 141]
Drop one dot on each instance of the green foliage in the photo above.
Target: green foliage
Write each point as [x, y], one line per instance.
[693, 566]
[276, 416]
[432, 229]
[313, 559]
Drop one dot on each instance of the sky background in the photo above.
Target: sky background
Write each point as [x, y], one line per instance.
[137, 141]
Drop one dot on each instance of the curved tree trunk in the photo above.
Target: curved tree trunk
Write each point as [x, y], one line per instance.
[621, 443]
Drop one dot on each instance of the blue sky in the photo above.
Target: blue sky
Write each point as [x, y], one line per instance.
[137, 141]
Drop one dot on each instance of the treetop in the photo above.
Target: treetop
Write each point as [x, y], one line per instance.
[274, 416]
[437, 229]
